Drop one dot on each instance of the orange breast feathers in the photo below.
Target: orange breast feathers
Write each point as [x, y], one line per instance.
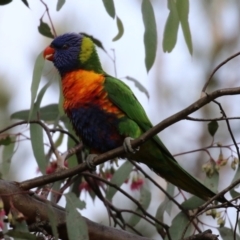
[85, 88]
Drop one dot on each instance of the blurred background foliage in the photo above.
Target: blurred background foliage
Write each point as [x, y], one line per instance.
[174, 81]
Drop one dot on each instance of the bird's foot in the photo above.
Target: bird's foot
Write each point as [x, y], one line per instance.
[61, 161]
[128, 147]
[89, 161]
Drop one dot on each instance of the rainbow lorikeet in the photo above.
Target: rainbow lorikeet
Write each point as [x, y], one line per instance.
[104, 111]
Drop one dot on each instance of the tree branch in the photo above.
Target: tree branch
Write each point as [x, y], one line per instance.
[42, 180]
[34, 207]
[206, 235]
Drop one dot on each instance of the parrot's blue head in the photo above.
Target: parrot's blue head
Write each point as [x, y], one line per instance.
[72, 51]
[64, 52]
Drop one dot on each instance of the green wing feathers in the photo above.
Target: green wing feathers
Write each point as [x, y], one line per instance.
[153, 153]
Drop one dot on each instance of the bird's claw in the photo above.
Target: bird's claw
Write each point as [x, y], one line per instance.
[128, 147]
[89, 161]
[60, 162]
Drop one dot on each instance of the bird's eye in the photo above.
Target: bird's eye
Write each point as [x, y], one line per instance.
[65, 46]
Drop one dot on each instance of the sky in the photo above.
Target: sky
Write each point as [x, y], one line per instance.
[174, 82]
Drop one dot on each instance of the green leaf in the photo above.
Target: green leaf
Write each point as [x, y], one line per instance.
[166, 205]
[3, 2]
[26, 3]
[36, 77]
[41, 94]
[159, 214]
[59, 140]
[235, 178]
[52, 220]
[212, 127]
[171, 28]
[145, 200]
[118, 178]
[72, 161]
[179, 223]
[44, 29]
[183, 11]
[109, 6]
[21, 230]
[140, 87]
[74, 201]
[76, 225]
[55, 190]
[227, 234]
[48, 113]
[145, 197]
[75, 186]
[60, 3]
[36, 105]
[120, 30]
[212, 182]
[36, 135]
[6, 140]
[170, 191]
[7, 154]
[150, 33]
[192, 203]
[20, 235]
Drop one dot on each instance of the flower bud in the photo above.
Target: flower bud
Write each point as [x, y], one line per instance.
[221, 222]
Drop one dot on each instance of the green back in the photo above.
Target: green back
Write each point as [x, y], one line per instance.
[122, 96]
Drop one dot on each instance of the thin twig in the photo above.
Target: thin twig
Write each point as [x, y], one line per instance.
[215, 70]
[157, 185]
[53, 130]
[235, 228]
[211, 119]
[49, 17]
[229, 127]
[127, 195]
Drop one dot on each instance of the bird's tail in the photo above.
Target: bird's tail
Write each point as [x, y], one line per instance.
[164, 164]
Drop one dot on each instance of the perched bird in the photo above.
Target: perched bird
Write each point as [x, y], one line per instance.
[104, 111]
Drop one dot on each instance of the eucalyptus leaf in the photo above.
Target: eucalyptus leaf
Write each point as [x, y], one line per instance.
[179, 223]
[25, 3]
[44, 29]
[120, 29]
[48, 113]
[139, 86]
[171, 28]
[212, 182]
[52, 220]
[183, 12]
[150, 33]
[60, 3]
[36, 77]
[120, 175]
[6, 140]
[212, 127]
[76, 225]
[192, 203]
[227, 234]
[235, 178]
[36, 135]
[110, 8]
[7, 154]
[145, 200]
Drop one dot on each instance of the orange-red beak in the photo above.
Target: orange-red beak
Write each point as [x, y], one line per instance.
[48, 53]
